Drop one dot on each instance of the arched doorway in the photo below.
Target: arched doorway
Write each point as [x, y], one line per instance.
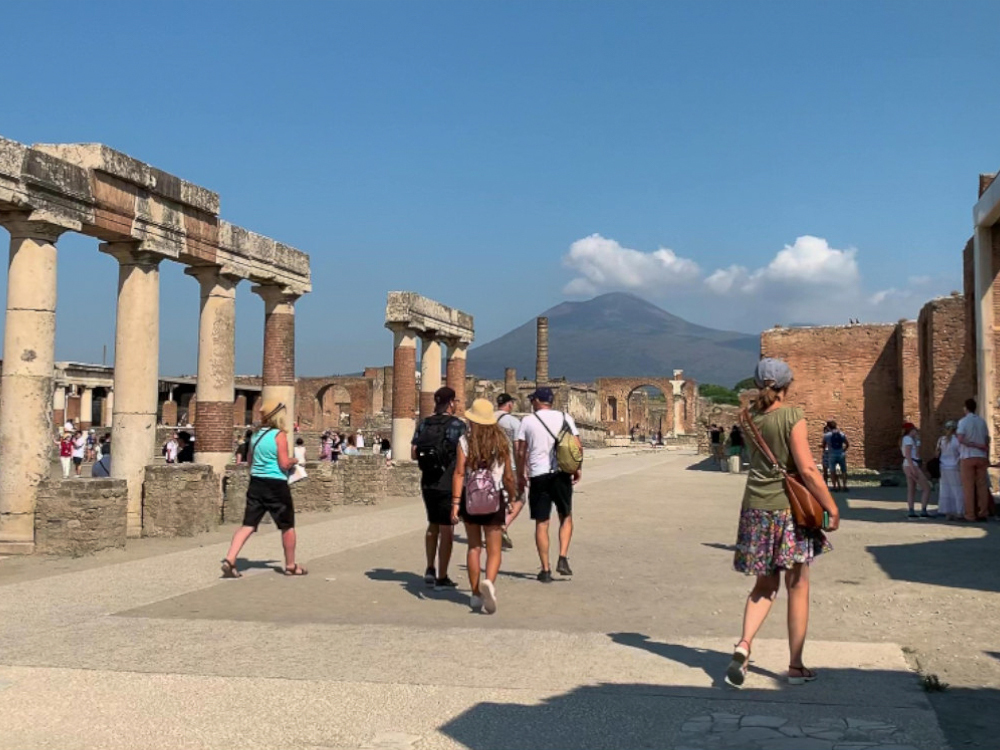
[647, 412]
[333, 408]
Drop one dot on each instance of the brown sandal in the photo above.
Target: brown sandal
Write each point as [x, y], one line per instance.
[295, 570]
[805, 675]
[736, 673]
[229, 570]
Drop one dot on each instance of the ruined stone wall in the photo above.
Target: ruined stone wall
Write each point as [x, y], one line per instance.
[849, 374]
[76, 517]
[180, 500]
[947, 377]
[353, 480]
[403, 480]
[584, 404]
[309, 390]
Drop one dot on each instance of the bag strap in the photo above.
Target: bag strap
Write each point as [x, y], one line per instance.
[547, 427]
[758, 440]
[260, 437]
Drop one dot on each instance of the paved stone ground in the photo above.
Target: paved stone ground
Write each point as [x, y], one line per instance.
[148, 647]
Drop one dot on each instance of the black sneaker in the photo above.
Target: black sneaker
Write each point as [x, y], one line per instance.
[444, 583]
[506, 543]
[545, 576]
[562, 567]
[430, 575]
[912, 514]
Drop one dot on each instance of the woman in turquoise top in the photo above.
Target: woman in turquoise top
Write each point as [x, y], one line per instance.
[268, 492]
[768, 542]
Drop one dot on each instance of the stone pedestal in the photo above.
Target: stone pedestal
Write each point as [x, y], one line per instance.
[279, 351]
[137, 342]
[456, 371]
[404, 391]
[430, 374]
[216, 368]
[26, 386]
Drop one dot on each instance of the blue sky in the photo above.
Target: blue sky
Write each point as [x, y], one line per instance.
[740, 164]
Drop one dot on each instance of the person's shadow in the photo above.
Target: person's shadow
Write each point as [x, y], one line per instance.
[413, 584]
[712, 663]
[243, 565]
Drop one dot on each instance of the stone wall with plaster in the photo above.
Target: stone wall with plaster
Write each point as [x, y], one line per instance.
[180, 500]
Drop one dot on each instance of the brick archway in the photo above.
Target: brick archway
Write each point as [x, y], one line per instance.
[679, 416]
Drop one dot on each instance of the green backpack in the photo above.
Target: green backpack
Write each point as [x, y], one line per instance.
[569, 455]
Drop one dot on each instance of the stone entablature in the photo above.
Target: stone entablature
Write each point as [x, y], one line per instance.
[425, 316]
[95, 190]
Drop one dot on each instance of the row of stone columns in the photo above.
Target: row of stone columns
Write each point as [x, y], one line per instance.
[26, 391]
[405, 401]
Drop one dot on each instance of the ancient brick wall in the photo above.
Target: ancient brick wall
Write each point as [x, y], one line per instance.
[76, 517]
[969, 293]
[908, 369]
[180, 500]
[946, 374]
[403, 480]
[850, 374]
[312, 393]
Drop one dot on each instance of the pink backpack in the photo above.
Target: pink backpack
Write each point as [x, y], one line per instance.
[481, 494]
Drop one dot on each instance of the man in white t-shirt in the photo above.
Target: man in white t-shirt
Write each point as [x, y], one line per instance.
[536, 460]
[511, 426]
[974, 439]
[359, 441]
[171, 448]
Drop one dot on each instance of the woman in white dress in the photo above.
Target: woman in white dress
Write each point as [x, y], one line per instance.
[914, 472]
[951, 502]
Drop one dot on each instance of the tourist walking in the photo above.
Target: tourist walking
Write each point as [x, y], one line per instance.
[825, 459]
[336, 443]
[736, 446]
[769, 544]
[243, 448]
[950, 500]
[913, 469]
[185, 447]
[483, 471]
[79, 448]
[974, 438]
[838, 443]
[102, 468]
[435, 449]
[66, 453]
[170, 449]
[537, 464]
[715, 440]
[268, 491]
[510, 425]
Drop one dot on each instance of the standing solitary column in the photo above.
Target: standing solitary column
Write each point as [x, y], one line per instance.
[108, 408]
[542, 353]
[86, 407]
[216, 367]
[29, 347]
[430, 374]
[59, 407]
[279, 350]
[137, 352]
[404, 390]
[456, 371]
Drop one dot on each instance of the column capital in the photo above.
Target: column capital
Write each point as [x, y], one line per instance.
[213, 276]
[132, 254]
[28, 225]
[456, 346]
[275, 294]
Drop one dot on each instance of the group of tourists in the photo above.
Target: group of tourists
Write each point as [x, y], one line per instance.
[960, 461]
[480, 470]
[834, 458]
[179, 448]
[77, 447]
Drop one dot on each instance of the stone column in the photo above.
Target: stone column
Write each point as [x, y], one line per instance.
[404, 390]
[279, 350]
[26, 387]
[430, 374]
[542, 353]
[108, 409]
[59, 407]
[86, 407]
[456, 370]
[216, 367]
[510, 381]
[137, 350]
[387, 379]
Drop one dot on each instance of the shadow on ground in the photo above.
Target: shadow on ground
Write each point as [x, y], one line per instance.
[596, 717]
[706, 464]
[413, 584]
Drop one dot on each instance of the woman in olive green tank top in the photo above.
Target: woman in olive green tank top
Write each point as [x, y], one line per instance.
[768, 541]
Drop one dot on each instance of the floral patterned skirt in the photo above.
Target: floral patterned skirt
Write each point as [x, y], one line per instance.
[769, 541]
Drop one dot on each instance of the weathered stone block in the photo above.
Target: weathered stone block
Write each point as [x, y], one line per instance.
[80, 516]
[180, 500]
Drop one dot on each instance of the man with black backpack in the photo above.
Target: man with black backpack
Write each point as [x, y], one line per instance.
[435, 449]
[549, 453]
[838, 444]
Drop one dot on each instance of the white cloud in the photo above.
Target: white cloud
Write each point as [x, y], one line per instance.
[810, 261]
[602, 264]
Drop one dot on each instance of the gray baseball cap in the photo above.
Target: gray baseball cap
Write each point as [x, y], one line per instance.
[774, 371]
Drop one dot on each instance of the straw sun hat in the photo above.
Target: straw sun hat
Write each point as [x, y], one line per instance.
[481, 412]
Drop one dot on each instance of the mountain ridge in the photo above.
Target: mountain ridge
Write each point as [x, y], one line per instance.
[619, 334]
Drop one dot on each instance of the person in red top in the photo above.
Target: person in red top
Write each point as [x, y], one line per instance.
[66, 453]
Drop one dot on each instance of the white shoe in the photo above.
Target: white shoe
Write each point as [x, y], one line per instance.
[476, 602]
[489, 593]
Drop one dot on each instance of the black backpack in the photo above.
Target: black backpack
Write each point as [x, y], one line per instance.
[837, 440]
[435, 454]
